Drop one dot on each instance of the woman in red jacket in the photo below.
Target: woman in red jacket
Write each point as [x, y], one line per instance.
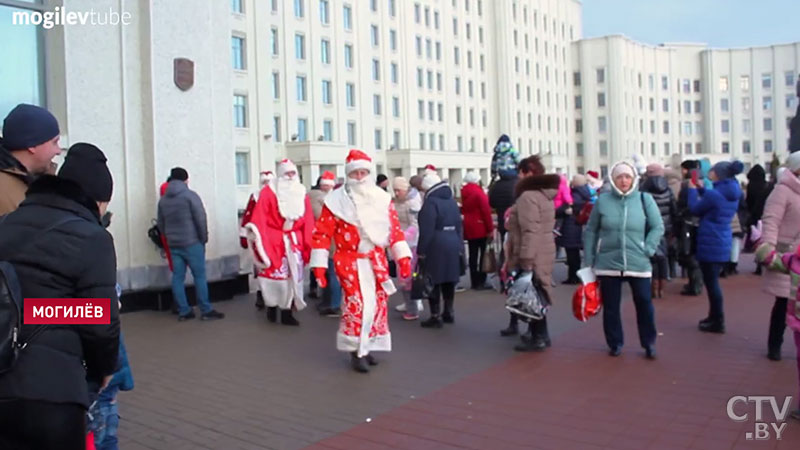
[478, 226]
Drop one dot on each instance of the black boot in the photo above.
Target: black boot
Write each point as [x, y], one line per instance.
[537, 343]
[512, 329]
[712, 326]
[358, 364]
[272, 313]
[448, 316]
[433, 322]
[544, 333]
[288, 319]
[371, 360]
[259, 301]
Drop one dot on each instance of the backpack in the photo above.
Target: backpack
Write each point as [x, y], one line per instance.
[11, 313]
[155, 234]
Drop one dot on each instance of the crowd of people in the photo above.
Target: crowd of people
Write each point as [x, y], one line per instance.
[366, 237]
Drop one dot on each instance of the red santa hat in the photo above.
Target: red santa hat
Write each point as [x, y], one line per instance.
[593, 174]
[357, 159]
[430, 169]
[265, 177]
[285, 167]
[327, 179]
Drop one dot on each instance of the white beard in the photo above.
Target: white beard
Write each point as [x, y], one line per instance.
[372, 209]
[291, 198]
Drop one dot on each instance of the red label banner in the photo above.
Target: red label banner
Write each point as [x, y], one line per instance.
[67, 311]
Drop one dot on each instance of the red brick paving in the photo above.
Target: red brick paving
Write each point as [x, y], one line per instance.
[574, 396]
[241, 383]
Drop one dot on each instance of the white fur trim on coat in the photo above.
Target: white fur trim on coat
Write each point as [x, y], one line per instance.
[358, 164]
[319, 258]
[254, 238]
[401, 250]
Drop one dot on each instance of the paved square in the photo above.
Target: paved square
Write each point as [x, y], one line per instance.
[243, 383]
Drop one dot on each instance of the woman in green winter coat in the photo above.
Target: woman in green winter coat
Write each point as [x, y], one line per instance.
[623, 233]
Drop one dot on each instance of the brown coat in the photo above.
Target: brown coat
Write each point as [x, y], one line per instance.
[530, 227]
[12, 189]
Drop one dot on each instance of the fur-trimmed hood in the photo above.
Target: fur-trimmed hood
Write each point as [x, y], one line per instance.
[544, 183]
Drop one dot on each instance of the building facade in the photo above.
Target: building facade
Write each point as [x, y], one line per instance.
[414, 82]
[681, 99]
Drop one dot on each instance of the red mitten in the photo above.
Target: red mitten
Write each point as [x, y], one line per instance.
[319, 274]
[405, 267]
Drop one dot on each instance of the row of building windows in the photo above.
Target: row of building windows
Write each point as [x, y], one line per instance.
[766, 81]
[299, 6]
[685, 85]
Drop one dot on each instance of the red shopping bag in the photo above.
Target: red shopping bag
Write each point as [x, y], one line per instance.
[584, 214]
[586, 301]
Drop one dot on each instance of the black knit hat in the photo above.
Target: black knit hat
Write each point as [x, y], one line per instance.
[179, 174]
[28, 126]
[85, 164]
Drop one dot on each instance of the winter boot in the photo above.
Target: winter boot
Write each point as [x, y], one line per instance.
[512, 329]
[358, 364]
[272, 313]
[259, 301]
[288, 319]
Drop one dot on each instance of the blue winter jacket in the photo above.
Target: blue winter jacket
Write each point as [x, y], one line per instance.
[716, 208]
[441, 235]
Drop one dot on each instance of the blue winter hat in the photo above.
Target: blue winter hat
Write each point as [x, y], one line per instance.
[504, 138]
[728, 169]
[28, 126]
[507, 173]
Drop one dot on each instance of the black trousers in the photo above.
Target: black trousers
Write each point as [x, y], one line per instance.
[477, 247]
[611, 292]
[777, 324]
[573, 263]
[446, 290]
[38, 425]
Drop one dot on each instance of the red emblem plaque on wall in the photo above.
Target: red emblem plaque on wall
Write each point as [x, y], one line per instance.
[184, 73]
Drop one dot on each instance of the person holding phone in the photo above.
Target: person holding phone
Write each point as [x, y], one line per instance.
[686, 230]
[715, 208]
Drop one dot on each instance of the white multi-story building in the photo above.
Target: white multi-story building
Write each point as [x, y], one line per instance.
[416, 82]
[680, 99]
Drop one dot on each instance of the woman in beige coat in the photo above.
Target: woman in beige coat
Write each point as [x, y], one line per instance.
[531, 240]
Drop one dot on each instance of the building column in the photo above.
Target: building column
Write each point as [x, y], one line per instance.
[308, 179]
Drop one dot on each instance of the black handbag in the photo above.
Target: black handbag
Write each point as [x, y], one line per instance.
[421, 283]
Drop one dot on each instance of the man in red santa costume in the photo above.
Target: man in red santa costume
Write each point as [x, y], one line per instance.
[263, 179]
[362, 221]
[279, 233]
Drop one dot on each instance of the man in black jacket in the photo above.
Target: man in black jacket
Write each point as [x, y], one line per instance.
[44, 397]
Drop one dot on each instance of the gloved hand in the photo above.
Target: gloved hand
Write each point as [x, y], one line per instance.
[319, 274]
[756, 231]
[405, 267]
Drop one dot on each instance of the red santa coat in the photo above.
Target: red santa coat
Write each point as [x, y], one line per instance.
[246, 217]
[362, 269]
[280, 249]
